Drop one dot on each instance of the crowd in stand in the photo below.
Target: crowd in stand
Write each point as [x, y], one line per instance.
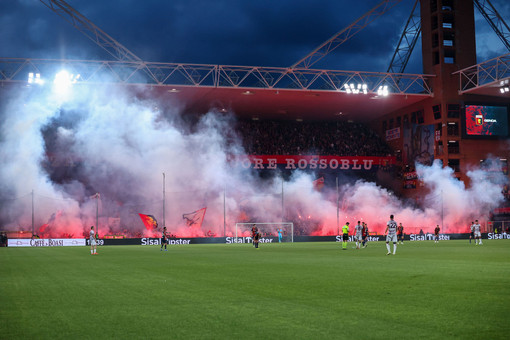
[310, 138]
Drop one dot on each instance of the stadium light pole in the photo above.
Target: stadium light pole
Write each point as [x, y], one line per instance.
[442, 211]
[225, 210]
[337, 208]
[33, 224]
[164, 194]
[283, 216]
[97, 214]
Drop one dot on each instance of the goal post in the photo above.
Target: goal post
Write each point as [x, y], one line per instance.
[266, 228]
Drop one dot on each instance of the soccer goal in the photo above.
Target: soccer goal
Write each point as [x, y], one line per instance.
[267, 229]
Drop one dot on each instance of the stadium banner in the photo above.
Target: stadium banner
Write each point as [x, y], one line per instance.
[153, 241]
[418, 144]
[432, 237]
[393, 134]
[503, 236]
[46, 242]
[502, 211]
[274, 162]
[410, 180]
[372, 238]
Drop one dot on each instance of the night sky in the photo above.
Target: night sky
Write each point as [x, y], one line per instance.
[228, 32]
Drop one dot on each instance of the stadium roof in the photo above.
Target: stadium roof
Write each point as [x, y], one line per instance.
[487, 78]
[289, 104]
[249, 91]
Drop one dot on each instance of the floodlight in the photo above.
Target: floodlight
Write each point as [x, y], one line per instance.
[63, 82]
[35, 78]
[383, 90]
[38, 79]
[354, 89]
[63, 77]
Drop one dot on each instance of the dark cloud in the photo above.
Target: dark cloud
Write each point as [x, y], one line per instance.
[229, 32]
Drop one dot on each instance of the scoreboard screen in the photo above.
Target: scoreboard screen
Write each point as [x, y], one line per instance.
[484, 120]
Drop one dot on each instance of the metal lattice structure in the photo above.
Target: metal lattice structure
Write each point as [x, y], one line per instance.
[491, 71]
[91, 31]
[495, 20]
[407, 41]
[15, 70]
[345, 34]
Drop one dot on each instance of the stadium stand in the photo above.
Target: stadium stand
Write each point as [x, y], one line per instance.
[310, 138]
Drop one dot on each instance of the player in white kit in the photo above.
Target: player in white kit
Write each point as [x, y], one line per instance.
[478, 234]
[93, 244]
[359, 239]
[391, 230]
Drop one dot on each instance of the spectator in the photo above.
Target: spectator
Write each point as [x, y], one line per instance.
[312, 138]
[3, 239]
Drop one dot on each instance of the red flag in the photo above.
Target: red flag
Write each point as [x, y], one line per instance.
[195, 218]
[318, 184]
[149, 221]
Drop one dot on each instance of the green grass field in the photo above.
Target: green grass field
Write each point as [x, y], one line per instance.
[281, 291]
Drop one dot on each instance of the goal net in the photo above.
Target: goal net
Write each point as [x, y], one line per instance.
[267, 229]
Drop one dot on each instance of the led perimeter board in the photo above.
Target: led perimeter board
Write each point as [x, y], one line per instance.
[485, 121]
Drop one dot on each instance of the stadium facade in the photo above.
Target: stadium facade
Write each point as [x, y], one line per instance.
[466, 120]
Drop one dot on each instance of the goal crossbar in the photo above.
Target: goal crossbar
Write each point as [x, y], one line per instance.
[269, 223]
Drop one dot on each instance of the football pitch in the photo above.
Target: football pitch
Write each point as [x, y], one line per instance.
[452, 289]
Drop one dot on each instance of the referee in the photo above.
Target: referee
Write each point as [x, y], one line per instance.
[345, 236]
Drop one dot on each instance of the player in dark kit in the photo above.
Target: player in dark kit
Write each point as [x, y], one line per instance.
[436, 234]
[400, 233]
[364, 233]
[164, 240]
[256, 239]
[254, 231]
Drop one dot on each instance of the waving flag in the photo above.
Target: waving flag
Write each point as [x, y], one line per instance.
[149, 221]
[195, 218]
